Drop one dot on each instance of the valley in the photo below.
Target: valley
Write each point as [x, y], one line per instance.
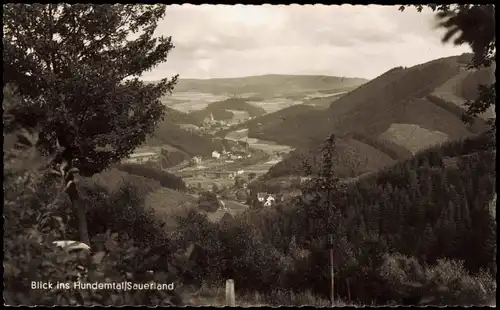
[377, 123]
[246, 133]
[286, 155]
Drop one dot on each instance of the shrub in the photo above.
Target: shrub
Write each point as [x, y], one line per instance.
[29, 256]
[445, 283]
[251, 176]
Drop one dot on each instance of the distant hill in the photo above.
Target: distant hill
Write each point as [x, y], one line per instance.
[221, 110]
[393, 116]
[269, 84]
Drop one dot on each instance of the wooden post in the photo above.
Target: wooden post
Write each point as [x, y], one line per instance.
[348, 290]
[230, 298]
[332, 276]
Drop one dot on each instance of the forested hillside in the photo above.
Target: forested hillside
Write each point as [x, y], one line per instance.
[426, 213]
[372, 107]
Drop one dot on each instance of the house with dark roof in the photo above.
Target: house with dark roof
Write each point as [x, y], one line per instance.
[269, 200]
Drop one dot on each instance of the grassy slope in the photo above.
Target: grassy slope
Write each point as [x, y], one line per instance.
[397, 96]
[169, 203]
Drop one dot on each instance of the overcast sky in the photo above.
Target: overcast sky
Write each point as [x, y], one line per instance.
[243, 40]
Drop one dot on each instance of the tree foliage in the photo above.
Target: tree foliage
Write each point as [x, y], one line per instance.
[417, 232]
[35, 215]
[76, 69]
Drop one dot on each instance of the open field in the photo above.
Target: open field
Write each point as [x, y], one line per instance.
[271, 92]
[413, 136]
[268, 146]
[261, 168]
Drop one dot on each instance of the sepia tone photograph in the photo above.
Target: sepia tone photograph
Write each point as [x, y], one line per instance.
[249, 155]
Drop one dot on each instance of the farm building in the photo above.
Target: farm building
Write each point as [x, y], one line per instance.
[215, 155]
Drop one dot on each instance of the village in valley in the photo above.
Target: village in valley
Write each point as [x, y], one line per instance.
[227, 172]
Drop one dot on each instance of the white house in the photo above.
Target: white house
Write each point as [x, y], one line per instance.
[215, 155]
[269, 200]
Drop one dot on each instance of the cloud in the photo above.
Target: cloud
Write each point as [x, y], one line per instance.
[242, 40]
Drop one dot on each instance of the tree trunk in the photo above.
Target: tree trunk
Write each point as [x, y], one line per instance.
[80, 213]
